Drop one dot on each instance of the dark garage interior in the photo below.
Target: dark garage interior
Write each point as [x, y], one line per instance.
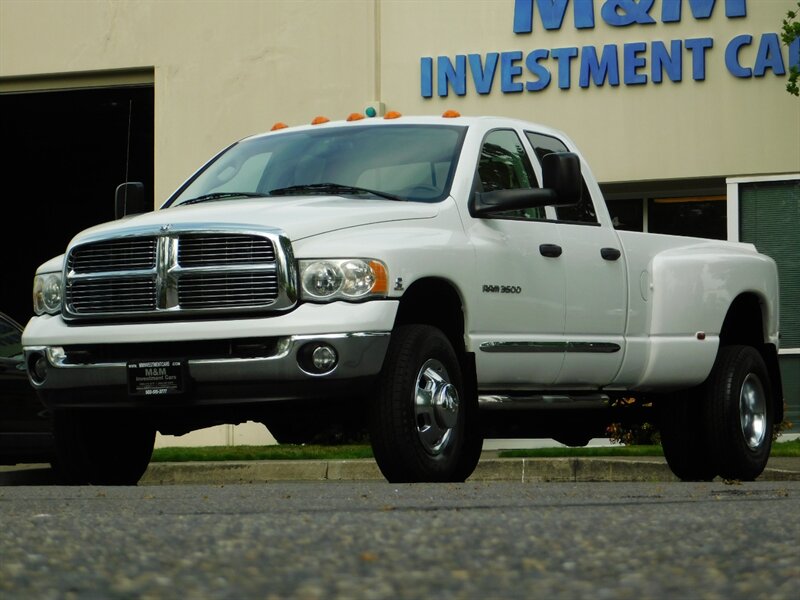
[66, 152]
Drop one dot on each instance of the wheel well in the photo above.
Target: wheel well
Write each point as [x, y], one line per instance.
[434, 302]
[744, 324]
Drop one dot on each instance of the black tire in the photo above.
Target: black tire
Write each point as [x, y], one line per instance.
[682, 424]
[99, 448]
[740, 413]
[438, 438]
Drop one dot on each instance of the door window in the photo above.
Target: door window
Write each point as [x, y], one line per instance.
[583, 212]
[504, 165]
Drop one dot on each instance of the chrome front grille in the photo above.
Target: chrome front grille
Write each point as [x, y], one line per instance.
[179, 272]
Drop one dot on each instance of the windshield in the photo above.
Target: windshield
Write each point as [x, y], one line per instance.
[398, 162]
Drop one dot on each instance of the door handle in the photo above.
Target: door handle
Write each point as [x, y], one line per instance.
[551, 250]
[610, 253]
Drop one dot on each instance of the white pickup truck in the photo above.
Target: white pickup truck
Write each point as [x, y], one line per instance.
[436, 280]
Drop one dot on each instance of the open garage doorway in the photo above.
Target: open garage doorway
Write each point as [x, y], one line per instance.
[65, 153]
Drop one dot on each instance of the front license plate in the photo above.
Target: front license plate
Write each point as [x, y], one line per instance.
[156, 377]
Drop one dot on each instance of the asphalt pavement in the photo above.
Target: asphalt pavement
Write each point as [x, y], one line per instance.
[490, 468]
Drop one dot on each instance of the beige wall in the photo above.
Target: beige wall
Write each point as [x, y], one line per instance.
[225, 69]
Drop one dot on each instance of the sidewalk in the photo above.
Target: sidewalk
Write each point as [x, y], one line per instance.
[490, 468]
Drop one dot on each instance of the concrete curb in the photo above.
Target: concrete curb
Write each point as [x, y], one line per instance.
[528, 470]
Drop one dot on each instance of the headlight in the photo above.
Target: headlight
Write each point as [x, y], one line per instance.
[47, 294]
[343, 279]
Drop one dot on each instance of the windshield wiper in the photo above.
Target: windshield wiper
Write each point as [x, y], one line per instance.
[221, 195]
[329, 188]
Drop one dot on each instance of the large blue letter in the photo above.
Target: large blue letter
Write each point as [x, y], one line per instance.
[426, 76]
[552, 12]
[607, 67]
[632, 62]
[564, 57]
[671, 62]
[447, 74]
[769, 56]
[510, 70]
[794, 54]
[698, 47]
[532, 62]
[732, 56]
[633, 11]
[701, 9]
[483, 76]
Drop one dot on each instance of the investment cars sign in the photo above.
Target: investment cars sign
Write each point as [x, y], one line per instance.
[629, 64]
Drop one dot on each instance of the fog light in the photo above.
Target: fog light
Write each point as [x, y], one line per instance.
[37, 368]
[323, 358]
[317, 358]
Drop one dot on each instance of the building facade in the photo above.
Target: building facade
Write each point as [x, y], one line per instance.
[678, 105]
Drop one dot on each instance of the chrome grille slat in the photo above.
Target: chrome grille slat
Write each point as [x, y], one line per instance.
[243, 289]
[114, 255]
[181, 271]
[196, 250]
[114, 295]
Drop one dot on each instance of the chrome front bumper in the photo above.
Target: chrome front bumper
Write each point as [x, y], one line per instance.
[360, 354]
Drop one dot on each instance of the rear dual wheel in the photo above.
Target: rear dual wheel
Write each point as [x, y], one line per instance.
[423, 420]
[740, 413]
[723, 427]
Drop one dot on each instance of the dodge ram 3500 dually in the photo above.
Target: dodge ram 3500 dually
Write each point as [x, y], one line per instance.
[437, 280]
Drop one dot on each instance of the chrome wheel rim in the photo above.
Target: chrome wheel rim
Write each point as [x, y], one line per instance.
[435, 407]
[753, 411]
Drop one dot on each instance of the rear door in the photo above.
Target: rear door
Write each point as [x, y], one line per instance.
[595, 289]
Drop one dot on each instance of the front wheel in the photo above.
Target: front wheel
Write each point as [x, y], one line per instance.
[423, 420]
[100, 448]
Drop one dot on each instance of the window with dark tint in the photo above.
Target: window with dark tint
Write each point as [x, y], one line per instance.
[10, 344]
[583, 212]
[504, 165]
[704, 217]
[414, 162]
[627, 215]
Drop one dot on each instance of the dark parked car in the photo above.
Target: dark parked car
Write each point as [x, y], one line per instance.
[25, 426]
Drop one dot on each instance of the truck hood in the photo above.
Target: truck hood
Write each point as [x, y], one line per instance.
[299, 216]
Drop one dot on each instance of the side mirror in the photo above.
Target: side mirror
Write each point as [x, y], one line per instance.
[562, 186]
[561, 172]
[129, 200]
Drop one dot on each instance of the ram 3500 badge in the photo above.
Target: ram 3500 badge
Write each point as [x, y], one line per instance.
[436, 280]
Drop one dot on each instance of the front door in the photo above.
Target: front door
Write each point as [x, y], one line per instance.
[517, 325]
